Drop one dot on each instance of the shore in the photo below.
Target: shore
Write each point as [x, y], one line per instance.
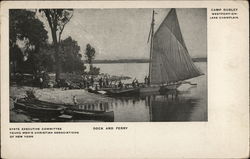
[54, 95]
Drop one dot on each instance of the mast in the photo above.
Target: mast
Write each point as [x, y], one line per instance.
[151, 43]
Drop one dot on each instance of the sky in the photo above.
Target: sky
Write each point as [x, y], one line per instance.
[123, 33]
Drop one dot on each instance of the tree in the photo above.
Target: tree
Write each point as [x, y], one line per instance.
[25, 27]
[90, 55]
[57, 19]
[16, 58]
[71, 56]
[44, 59]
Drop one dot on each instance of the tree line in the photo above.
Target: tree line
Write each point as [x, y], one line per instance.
[30, 51]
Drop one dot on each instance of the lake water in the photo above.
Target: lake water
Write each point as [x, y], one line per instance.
[188, 103]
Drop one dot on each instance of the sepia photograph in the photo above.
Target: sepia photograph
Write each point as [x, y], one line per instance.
[124, 79]
[111, 65]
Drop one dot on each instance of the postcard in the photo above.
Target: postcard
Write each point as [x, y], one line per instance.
[125, 79]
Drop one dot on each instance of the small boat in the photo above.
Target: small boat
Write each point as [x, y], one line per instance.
[169, 87]
[170, 62]
[123, 91]
[48, 109]
[83, 115]
[87, 110]
[66, 106]
[40, 110]
[150, 88]
[42, 103]
[91, 90]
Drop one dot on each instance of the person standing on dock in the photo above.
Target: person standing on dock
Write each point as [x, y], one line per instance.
[41, 81]
[100, 82]
[146, 80]
[92, 81]
[75, 100]
[107, 82]
[135, 83]
[88, 81]
[120, 84]
[83, 81]
[104, 83]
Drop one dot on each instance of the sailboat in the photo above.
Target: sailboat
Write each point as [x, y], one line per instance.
[170, 63]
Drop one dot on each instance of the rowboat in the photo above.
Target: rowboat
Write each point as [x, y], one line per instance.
[66, 106]
[82, 114]
[123, 91]
[98, 91]
[40, 110]
[48, 109]
[90, 90]
[170, 63]
[35, 101]
[149, 89]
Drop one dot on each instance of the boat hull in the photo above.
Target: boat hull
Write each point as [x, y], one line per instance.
[125, 91]
[39, 110]
[149, 89]
[85, 115]
[159, 88]
[169, 87]
[93, 91]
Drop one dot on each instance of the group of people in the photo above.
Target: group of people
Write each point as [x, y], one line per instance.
[146, 80]
[101, 82]
[104, 82]
[42, 78]
[87, 81]
[135, 83]
[98, 83]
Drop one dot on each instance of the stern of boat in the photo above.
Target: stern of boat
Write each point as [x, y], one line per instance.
[170, 87]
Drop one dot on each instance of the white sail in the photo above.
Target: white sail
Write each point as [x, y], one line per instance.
[170, 60]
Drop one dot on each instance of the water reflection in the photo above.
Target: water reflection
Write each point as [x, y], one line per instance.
[158, 107]
[165, 106]
[187, 104]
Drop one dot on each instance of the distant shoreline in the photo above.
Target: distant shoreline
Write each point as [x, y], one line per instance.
[200, 59]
